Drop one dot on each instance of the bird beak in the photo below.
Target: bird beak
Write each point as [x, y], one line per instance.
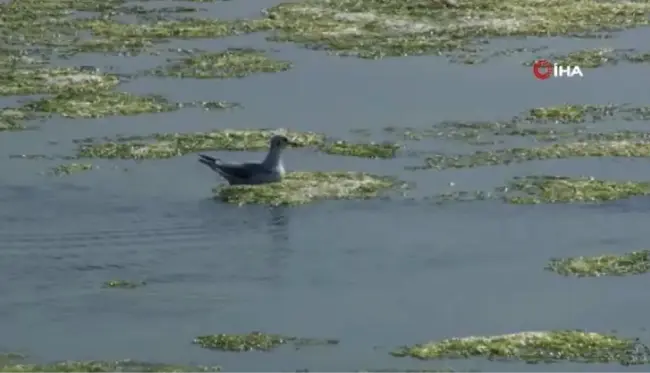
[293, 144]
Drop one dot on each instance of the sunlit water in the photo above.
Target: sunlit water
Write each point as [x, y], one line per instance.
[374, 274]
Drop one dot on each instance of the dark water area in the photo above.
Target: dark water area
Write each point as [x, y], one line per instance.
[375, 274]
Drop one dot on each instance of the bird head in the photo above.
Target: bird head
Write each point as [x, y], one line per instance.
[281, 142]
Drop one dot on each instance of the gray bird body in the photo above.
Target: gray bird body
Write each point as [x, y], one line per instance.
[243, 173]
[270, 170]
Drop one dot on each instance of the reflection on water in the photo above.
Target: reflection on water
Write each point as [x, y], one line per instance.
[279, 224]
[258, 238]
[278, 230]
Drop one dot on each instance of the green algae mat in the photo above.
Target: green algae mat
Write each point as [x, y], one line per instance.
[80, 104]
[362, 28]
[550, 189]
[559, 189]
[298, 188]
[124, 366]
[597, 57]
[167, 145]
[565, 122]
[231, 63]
[633, 263]
[365, 28]
[255, 341]
[578, 149]
[79, 93]
[17, 81]
[374, 29]
[536, 347]
[12, 119]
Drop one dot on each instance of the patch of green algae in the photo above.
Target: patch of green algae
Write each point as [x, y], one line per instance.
[231, 63]
[254, 341]
[548, 189]
[12, 119]
[166, 145]
[567, 113]
[14, 59]
[586, 58]
[71, 168]
[634, 263]
[483, 132]
[184, 28]
[246, 342]
[536, 347]
[104, 366]
[123, 284]
[367, 150]
[26, 23]
[461, 196]
[557, 189]
[298, 188]
[52, 80]
[597, 57]
[54, 9]
[373, 29]
[638, 57]
[364, 28]
[80, 104]
[543, 124]
[52, 6]
[51, 26]
[587, 148]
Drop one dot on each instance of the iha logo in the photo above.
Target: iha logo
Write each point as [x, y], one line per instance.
[544, 69]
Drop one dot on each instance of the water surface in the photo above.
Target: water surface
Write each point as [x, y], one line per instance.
[374, 274]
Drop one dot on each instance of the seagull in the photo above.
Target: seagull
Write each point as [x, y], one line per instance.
[270, 170]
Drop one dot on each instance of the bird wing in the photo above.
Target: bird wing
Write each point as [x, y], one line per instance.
[244, 171]
[233, 172]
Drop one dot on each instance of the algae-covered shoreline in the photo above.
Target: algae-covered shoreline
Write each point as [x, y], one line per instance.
[535, 347]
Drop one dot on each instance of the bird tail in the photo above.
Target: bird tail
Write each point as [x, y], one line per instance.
[209, 161]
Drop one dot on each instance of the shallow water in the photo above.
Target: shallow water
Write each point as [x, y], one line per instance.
[374, 274]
